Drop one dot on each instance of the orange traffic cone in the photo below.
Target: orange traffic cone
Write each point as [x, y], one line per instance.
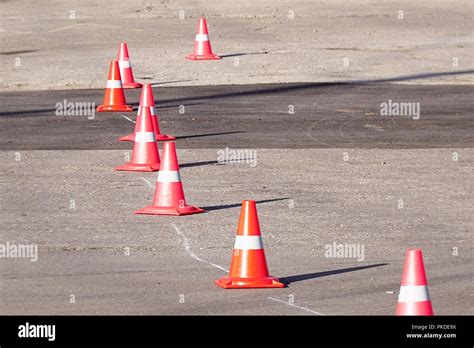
[126, 68]
[169, 195]
[248, 268]
[202, 45]
[145, 156]
[414, 298]
[147, 100]
[114, 99]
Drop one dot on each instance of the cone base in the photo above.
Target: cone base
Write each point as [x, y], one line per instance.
[131, 85]
[130, 137]
[249, 283]
[114, 108]
[176, 211]
[203, 57]
[134, 167]
[164, 137]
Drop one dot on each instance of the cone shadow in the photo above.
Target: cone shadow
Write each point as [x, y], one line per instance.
[197, 164]
[207, 135]
[307, 276]
[240, 54]
[205, 163]
[235, 205]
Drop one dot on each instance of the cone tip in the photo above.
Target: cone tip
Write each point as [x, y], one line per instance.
[414, 251]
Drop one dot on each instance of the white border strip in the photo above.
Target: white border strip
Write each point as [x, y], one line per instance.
[248, 243]
[168, 176]
[413, 293]
[145, 137]
[124, 64]
[114, 84]
[202, 37]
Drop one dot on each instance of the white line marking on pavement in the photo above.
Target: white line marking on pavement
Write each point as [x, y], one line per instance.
[187, 247]
[128, 119]
[147, 182]
[293, 305]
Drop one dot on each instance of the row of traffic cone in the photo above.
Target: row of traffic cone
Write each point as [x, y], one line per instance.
[121, 73]
[169, 194]
[248, 267]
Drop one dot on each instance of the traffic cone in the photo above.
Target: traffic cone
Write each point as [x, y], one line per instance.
[145, 156]
[414, 298]
[147, 100]
[169, 195]
[202, 45]
[126, 68]
[248, 268]
[114, 99]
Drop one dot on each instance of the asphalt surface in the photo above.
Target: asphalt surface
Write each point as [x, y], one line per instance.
[326, 115]
[96, 257]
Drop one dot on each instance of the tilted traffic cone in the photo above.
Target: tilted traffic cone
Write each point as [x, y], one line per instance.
[126, 72]
[114, 99]
[202, 45]
[414, 298]
[248, 268]
[145, 156]
[147, 100]
[169, 195]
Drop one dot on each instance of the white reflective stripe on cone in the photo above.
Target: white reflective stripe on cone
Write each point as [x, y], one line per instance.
[114, 84]
[202, 37]
[145, 137]
[413, 293]
[168, 176]
[248, 242]
[124, 64]
[152, 110]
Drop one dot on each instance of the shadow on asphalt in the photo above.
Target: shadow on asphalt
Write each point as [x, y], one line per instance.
[235, 205]
[307, 276]
[287, 87]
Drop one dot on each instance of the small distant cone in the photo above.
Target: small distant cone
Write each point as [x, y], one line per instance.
[126, 68]
[202, 45]
[414, 298]
[169, 195]
[147, 100]
[114, 99]
[248, 268]
[145, 156]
